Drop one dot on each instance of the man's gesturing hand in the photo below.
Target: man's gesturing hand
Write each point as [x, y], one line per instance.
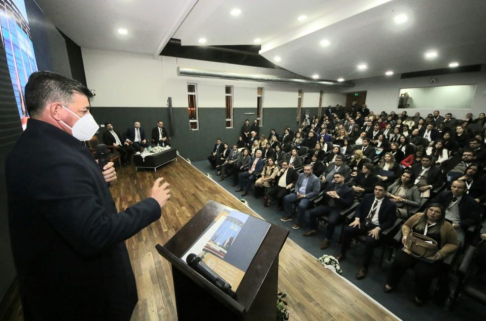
[161, 193]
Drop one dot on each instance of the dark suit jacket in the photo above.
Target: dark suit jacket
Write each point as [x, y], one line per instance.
[318, 168]
[369, 152]
[109, 140]
[259, 165]
[434, 134]
[386, 214]
[155, 133]
[217, 150]
[291, 177]
[434, 176]
[67, 236]
[269, 154]
[131, 134]
[469, 210]
[345, 196]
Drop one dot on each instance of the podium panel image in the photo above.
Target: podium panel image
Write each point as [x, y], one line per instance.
[241, 249]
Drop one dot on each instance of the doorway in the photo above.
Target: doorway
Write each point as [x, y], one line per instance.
[358, 96]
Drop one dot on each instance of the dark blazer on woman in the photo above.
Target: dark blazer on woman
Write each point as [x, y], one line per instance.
[367, 183]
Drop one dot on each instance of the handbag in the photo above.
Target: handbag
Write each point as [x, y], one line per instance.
[421, 246]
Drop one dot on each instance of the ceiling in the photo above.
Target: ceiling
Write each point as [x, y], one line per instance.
[359, 31]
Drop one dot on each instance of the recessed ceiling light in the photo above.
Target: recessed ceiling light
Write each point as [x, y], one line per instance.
[122, 31]
[454, 64]
[257, 40]
[362, 67]
[431, 54]
[316, 76]
[235, 12]
[325, 43]
[277, 59]
[302, 18]
[202, 40]
[401, 18]
[389, 73]
[340, 79]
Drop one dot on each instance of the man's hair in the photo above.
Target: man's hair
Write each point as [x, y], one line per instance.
[308, 166]
[366, 139]
[382, 184]
[475, 140]
[456, 180]
[430, 158]
[340, 174]
[468, 150]
[340, 157]
[46, 87]
[106, 124]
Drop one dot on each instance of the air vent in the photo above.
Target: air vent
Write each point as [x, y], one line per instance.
[443, 71]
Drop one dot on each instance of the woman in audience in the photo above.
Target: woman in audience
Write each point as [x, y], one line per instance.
[388, 169]
[246, 131]
[354, 133]
[268, 174]
[381, 145]
[357, 162]
[263, 141]
[438, 151]
[255, 147]
[396, 152]
[295, 161]
[461, 137]
[394, 136]
[241, 142]
[406, 131]
[317, 151]
[274, 141]
[346, 149]
[341, 135]
[404, 194]
[297, 141]
[336, 150]
[364, 182]
[431, 223]
[272, 134]
[280, 155]
[243, 164]
[404, 146]
[420, 125]
[450, 144]
[475, 185]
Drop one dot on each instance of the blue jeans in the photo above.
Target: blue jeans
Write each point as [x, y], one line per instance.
[333, 219]
[303, 205]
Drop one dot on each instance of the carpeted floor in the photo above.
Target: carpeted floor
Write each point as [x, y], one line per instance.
[399, 302]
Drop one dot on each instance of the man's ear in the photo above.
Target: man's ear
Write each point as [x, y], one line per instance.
[55, 110]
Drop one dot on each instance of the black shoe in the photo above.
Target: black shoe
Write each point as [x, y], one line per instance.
[387, 289]
[418, 303]
[239, 190]
[244, 194]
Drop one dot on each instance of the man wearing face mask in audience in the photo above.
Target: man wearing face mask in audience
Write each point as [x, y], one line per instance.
[67, 236]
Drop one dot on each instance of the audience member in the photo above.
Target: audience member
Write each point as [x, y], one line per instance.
[222, 157]
[160, 136]
[284, 180]
[216, 153]
[242, 165]
[404, 194]
[337, 197]
[388, 169]
[246, 132]
[432, 224]
[136, 137]
[227, 166]
[475, 184]
[428, 177]
[306, 188]
[337, 167]
[269, 173]
[115, 140]
[375, 214]
[295, 161]
[364, 182]
[247, 178]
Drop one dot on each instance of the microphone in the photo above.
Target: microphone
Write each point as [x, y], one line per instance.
[199, 266]
[101, 156]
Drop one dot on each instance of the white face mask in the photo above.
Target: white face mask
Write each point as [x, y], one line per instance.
[84, 128]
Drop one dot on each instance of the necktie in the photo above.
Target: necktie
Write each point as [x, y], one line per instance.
[454, 199]
[370, 216]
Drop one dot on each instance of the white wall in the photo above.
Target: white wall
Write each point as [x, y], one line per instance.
[332, 99]
[449, 97]
[136, 80]
[383, 92]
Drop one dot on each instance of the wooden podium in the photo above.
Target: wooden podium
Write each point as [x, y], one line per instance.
[199, 299]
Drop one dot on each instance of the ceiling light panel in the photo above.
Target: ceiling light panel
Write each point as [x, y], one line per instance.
[235, 12]
[431, 54]
[325, 43]
[122, 31]
[362, 67]
[401, 18]
[389, 73]
[202, 40]
[302, 18]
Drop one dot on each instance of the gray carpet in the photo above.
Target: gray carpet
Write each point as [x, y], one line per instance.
[398, 302]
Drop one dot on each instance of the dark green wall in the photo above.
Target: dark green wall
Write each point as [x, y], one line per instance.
[196, 145]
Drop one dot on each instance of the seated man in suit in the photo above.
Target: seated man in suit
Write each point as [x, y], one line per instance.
[430, 133]
[215, 154]
[227, 167]
[337, 167]
[116, 141]
[268, 151]
[457, 165]
[428, 177]
[136, 136]
[461, 210]
[367, 149]
[337, 197]
[307, 187]
[418, 140]
[374, 214]
[285, 179]
[160, 136]
[247, 178]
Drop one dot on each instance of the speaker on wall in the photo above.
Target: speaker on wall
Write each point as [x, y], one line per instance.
[171, 117]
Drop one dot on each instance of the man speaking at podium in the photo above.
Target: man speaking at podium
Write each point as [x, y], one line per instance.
[67, 237]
